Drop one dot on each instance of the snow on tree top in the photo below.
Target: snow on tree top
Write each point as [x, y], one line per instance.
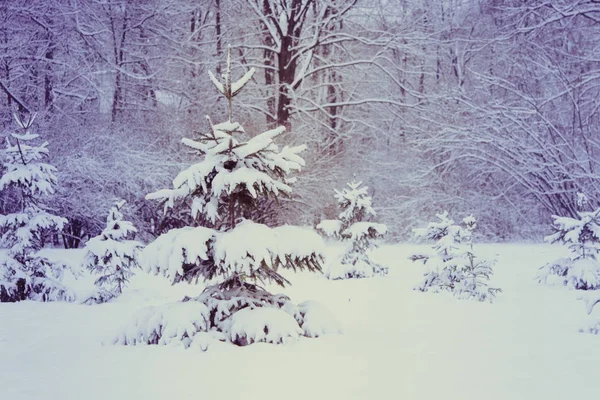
[254, 166]
[470, 222]
[354, 200]
[105, 247]
[227, 88]
[435, 230]
[25, 124]
[241, 171]
[119, 229]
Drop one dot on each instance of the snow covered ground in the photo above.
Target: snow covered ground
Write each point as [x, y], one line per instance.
[397, 343]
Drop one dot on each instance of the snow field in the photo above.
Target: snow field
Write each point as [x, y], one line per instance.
[396, 342]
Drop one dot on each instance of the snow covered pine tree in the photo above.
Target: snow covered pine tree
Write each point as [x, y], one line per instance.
[581, 269]
[24, 274]
[453, 265]
[351, 227]
[224, 189]
[112, 255]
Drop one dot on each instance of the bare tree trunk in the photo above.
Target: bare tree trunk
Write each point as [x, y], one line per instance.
[218, 33]
[119, 58]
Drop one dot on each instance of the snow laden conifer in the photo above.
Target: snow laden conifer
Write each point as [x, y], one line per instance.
[591, 300]
[453, 265]
[581, 268]
[354, 228]
[231, 252]
[112, 255]
[24, 274]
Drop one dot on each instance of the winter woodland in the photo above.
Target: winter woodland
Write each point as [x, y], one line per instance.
[207, 175]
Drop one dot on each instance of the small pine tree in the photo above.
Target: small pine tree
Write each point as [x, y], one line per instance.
[223, 189]
[353, 227]
[113, 255]
[453, 266]
[24, 274]
[581, 269]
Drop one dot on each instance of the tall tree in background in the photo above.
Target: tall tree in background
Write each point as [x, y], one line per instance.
[448, 105]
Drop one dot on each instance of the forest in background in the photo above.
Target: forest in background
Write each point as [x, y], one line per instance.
[483, 107]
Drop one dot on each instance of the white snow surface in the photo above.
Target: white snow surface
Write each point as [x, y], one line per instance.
[398, 343]
[317, 319]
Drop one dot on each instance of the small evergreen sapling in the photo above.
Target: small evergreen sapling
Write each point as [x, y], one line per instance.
[581, 269]
[113, 255]
[352, 227]
[231, 252]
[591, 300]
[453, 265]
[24, 274]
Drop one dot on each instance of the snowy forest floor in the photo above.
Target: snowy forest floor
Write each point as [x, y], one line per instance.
[397, 343]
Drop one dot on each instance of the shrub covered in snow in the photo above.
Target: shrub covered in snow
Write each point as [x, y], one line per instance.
[265, 324]
[581, 269]
[316, 319]
[112, 255]
[591, 301]
[453, 265]
[359, 234]
[231, 252]
[24, 274]
[164, 324]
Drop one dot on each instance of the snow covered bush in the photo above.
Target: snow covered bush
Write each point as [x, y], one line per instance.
[453, 265]
[591, 301]
[581, 269]
[24, 274]
[359, 234]
[316, 319]
[231, 252]
[112, 255]
[264, 324]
